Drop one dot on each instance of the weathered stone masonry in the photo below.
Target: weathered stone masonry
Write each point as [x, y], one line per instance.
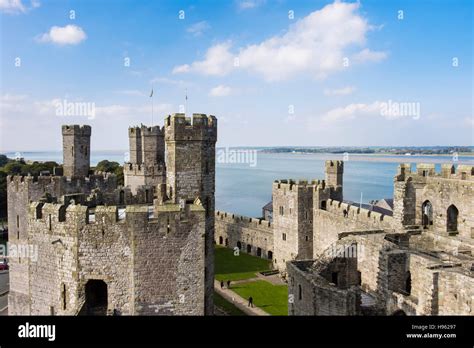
[417, 259]
[146, 248]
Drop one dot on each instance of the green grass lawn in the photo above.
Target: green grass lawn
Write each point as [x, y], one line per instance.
[231, 267]
[226, 306]
[273, 299]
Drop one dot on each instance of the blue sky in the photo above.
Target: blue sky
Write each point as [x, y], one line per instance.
[320, 77]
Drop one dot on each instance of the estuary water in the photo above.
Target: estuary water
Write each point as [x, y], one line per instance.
[244, 188]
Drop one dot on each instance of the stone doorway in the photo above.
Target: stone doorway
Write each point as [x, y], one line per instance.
[452, 219]
[427, 214]
[399, 313]
[96, 297]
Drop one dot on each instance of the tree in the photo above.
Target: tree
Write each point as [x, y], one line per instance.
[3, 160]
[111, 167]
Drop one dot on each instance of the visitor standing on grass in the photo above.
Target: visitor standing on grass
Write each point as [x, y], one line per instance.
[228, 284]
[222, 284]
[250, 302]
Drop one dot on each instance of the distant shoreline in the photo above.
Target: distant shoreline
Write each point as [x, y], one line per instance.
[117, 156]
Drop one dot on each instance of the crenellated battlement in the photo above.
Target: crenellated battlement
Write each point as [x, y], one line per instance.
[146, 131]
[362, 215]
[201, 127]
[75, 129]
[333, 165]
[295, 185]
[243, 221]
[143, 169]
[76, 214]
[21, 182]
[422, 170]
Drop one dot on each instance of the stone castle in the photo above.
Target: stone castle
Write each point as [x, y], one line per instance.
[147, 247]
[412, 255]
[142, 249]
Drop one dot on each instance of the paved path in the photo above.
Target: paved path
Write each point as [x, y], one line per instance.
[274, 279]
[240, 302]
[4, 287]
[4, 304]
[4, 282]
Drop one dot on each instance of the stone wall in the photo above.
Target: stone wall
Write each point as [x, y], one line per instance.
[230, 230]
[452, 187]
[293, 221]
[330, 222]
[455, 293]
[76, 150]
[190, 174]
[150, 265]
[314, 295]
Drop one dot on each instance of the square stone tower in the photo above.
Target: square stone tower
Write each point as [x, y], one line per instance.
[76, 150]
[190, 175]
[146, 166]
[292, 221]
[334, 178]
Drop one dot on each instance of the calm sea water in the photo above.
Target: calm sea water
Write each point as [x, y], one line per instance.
[243, 189]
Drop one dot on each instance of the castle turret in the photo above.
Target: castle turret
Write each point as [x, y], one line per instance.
[292, 221]
[153, 145]
[76, 150]
[334, 176]
[135, 140]
[190, 174]
[147, 151]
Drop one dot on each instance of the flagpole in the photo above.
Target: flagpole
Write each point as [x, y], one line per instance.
[152, 96]
[186, 102]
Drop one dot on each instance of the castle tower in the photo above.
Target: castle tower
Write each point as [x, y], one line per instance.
[76, 150]
[292, 221]
[135, 141]
[190, 174]
[334, 175]
[153, 145]
[147, 151]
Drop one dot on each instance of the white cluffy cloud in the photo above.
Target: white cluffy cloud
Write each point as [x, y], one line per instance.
[388, 110]
[17, 6]
[67, 35]
[352, 111]
[198, 28]
[316, 45]
[218, 62]
[220, 91]
[249, 4]
[339, 91]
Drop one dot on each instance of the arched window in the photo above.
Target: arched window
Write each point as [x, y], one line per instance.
[408, 283]
[239, 245]
[452, 218]
[323, 205]
[208, 206]
[220, 240]
[426, 214]
[64, 296]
